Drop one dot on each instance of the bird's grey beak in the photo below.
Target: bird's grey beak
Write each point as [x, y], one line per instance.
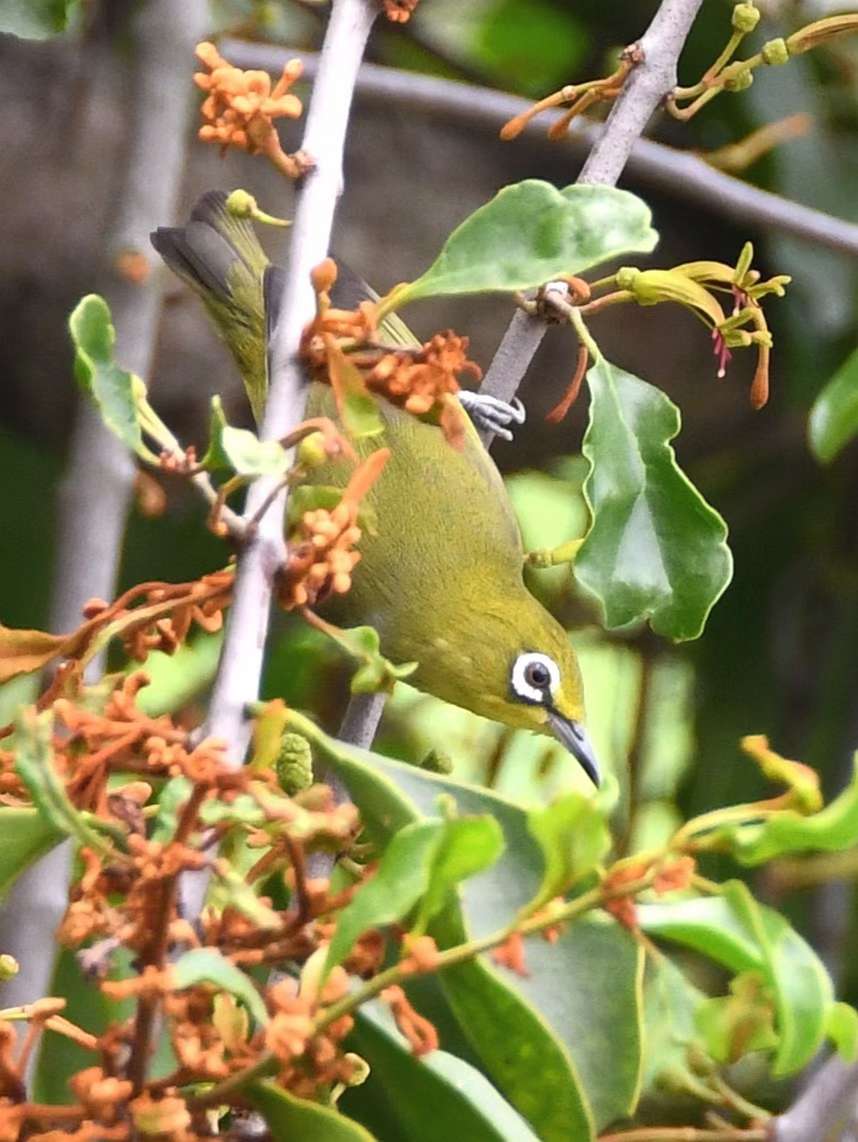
[574, 738]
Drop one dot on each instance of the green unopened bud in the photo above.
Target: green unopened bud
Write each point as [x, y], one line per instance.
[775, 52]
[8, 967]
[437, 762]
[741, 81]
[311, 451]
[743, 264]
[294, 765]
[244, 205]
[745, 18]
[626, 276]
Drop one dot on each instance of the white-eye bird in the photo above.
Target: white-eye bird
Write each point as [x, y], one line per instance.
[441, 580]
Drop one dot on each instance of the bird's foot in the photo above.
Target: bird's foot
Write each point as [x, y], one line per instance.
[489, 414]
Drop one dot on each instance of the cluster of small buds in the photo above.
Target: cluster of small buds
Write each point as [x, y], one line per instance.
[241, 107]
[321, 559]
[322, 553]
[422, 380]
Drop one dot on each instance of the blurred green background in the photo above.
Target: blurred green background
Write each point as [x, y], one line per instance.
[780, 652]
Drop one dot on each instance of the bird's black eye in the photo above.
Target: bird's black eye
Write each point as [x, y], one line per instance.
[537, 674]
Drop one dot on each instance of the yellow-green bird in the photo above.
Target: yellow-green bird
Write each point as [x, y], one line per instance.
[442, 579]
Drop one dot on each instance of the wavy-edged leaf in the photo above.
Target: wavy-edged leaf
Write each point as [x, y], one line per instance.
[23, 651]
[529, 233]
[112, 388]
[207, 965]
[290, 1118]
[736, 931]
[240, 450]
[446, 1097]
[834, 417]
[573, 835]
[656, 550]
[421, 863]
[563, 1045]
[832, 829]
[25, 835]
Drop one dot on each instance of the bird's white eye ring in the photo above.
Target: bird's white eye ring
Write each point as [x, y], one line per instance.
[534, 678]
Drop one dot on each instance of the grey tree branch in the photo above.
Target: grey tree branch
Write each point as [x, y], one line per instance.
[824, 1104]
[95, 493]
[237, 681]
[680, 173]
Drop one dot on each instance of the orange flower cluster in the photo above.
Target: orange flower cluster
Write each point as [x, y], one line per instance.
[321, 555]
[422, 380]
[241, 107]
[399, 11]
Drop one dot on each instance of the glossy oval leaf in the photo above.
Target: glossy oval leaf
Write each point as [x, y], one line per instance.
[562, 1057]
[834, 416]
[531, 232]
[101, 378]
[421, 863]
[446, 1097]
[25, 835]
[289, 1118]
[656, 550]
[736, 931]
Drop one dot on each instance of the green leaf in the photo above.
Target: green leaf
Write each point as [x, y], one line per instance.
[575, 1021]
[446, 1097]
[401, 879]
[529, 233]
[355, 403]
[291, 1118]
[732, 1025]
[422, 862]
[36, 19]
[834, 416]
[375, 671]
[832, 829]
[34, 764]
[573, 835]
[842, 1030]
[656, 549]
[240, 450]
[671, 1003]
[25, 835]
[467, 845]
[114, 390]
[736, 931]
[207, 965]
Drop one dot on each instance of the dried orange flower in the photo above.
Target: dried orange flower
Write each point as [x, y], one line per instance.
[242, 105]
[675, 876]
[399, 11]
[510, 954]
[420, 1033]
[321, 554]
[422, 379]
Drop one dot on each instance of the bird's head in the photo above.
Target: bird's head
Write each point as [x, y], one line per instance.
[519, 668]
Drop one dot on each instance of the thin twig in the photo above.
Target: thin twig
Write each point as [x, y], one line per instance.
[681, 174]
[237, 682]
[647, 84]
[96, 491]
